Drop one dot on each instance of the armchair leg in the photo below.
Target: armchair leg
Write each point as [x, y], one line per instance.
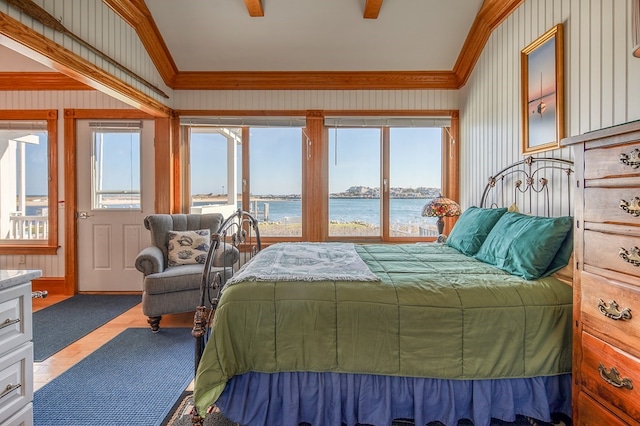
[154, 322]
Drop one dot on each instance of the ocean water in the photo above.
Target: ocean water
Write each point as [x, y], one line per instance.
[401, 210]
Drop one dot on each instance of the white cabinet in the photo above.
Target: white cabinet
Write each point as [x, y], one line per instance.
[16, 348]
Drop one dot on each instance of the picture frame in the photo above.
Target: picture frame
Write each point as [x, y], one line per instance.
[542, 72]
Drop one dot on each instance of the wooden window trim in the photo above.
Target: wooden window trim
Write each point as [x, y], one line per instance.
[315, 169]
[50, 247]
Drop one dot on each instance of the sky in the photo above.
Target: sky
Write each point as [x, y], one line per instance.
[276, 161]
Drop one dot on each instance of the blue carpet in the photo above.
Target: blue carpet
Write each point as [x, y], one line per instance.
[134, 379]
[61, 324]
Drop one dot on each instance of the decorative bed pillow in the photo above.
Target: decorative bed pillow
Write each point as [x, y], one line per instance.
[561, 259]
[524, 245]
[472, 229]
[188, 247]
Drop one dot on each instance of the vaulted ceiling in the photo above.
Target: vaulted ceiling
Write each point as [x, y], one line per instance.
[312, 44]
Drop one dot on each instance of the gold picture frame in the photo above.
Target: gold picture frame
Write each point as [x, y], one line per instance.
[543, 92]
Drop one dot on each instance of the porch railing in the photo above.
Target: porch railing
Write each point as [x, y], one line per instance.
[29, 227]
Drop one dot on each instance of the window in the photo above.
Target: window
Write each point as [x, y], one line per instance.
[276, 180]
[382, 171]
[215, 156]
[28, 182]
[354, 182]
[115, 176]
[366, 178]
[415, 176]
[269, 186]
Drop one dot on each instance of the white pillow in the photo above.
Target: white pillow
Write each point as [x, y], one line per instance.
[188, 247]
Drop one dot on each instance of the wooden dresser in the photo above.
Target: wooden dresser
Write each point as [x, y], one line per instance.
[606, 360]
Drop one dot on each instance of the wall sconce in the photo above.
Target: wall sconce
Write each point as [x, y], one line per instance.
[635, 27]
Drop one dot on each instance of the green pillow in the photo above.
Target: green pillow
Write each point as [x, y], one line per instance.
[524, 245]
[472, 229]
[562, 256]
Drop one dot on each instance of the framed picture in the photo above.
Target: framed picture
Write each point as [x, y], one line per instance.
[543, 92]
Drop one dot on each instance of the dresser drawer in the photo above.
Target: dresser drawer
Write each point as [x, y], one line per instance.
[604, 251]
[612, 205]
[611, 375]
[16, 380]
[612, 308]
[593, 414]
[15, 317]
[605, 162]
[23, 417]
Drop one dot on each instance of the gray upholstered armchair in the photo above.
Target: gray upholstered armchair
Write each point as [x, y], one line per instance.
[173, 264]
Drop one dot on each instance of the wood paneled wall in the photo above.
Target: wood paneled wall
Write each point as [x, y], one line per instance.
[97, 24]
[53, 266]
[602, 87]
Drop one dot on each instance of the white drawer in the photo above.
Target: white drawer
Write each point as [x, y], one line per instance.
[16, 380]
[23, 417]
[15, 317]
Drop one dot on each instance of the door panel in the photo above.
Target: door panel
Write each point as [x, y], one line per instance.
[110, 226]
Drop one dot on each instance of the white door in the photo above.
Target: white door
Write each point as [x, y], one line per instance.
[115, 193]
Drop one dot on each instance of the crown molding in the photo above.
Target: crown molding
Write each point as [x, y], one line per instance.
[136, 14]
[39, 81]
[312, 80]
[490, 15]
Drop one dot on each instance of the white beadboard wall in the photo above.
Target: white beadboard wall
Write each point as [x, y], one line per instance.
[95, 23]
[315, 99]
[53, 266]
[602, 84]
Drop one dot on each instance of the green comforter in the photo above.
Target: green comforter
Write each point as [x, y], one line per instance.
[434, 313]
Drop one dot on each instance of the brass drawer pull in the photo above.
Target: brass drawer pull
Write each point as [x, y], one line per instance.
[9, 322]
[632, 256]
[10, 388]
[633, 207]
[613, 378]
[612, 310]
[632, 159]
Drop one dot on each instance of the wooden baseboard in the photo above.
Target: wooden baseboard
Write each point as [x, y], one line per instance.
[53, 285]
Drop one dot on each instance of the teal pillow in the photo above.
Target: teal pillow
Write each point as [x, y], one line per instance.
[524, 245]
[472, 229]
[562, 257]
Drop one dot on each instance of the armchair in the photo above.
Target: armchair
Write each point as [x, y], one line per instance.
[172, 280]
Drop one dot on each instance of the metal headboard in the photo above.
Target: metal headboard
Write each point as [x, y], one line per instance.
[540, 186]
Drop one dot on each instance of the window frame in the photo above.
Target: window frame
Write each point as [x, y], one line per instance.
[315, 168]
[96, 192]
[49, 246]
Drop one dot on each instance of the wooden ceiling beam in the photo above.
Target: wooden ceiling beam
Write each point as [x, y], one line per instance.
[24, 40]
[491, 14]
[39, 81]
[372, 9]
[138, 16]
[254, 7]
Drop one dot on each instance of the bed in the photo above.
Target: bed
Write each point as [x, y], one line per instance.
[338, 333]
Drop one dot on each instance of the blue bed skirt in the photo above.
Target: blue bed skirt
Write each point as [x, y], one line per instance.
[288, 399]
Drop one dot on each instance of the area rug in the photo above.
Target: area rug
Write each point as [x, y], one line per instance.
[180, 415]
[134, 380]
[61, 324]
